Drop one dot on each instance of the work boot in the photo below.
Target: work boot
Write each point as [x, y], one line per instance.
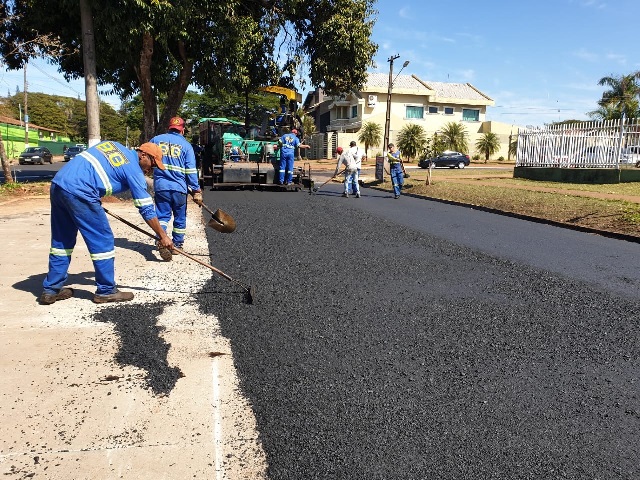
[165, 253]
[49, 298]
[357, 195]
[345, 194]
[117, 296]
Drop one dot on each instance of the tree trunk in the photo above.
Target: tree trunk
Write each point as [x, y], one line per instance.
[90, 76]
[176, 94]
[143, 71]
[5, 163]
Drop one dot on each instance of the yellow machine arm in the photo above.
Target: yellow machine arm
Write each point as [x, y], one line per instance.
[287, 92]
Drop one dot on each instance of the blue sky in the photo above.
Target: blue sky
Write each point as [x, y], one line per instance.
[539, 61]
[532, 58]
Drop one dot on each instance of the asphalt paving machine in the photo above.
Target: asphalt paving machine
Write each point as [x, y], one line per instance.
[236, 156]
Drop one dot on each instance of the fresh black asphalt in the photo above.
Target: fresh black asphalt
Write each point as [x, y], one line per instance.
[410, 339]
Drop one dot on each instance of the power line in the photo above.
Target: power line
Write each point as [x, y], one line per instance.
[57, 80]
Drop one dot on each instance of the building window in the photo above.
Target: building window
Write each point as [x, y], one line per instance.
[470, 115]
[354, 111]
[448, 110]
[414, 112]
[433, 109]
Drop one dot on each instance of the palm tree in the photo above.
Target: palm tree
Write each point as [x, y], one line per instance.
[487, 145]
[454, 137]
[370, 135]
[622, 96]
[412, 140]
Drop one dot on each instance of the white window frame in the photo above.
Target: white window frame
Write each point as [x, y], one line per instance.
[413, 106]
[453, 110]
[429, 112]
[477, 110]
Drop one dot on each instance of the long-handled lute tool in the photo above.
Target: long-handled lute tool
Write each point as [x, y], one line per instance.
[250, 290]
[315, 189]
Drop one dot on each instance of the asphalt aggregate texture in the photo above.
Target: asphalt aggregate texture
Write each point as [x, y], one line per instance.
[376, 350]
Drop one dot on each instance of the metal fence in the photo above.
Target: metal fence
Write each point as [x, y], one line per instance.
[605, 144]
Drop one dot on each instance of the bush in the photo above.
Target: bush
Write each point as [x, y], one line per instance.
[501, 158]
[476, 157]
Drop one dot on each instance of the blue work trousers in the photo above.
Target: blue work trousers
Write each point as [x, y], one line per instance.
[286, 169]
[170, 202]
[70, 214]
[397, 178]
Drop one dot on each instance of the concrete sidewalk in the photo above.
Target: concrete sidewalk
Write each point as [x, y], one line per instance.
[70, 408]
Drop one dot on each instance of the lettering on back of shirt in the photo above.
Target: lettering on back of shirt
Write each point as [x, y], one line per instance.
[170, 149]
[113, 154]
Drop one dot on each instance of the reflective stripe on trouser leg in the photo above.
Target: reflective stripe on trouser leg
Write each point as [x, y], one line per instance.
[63, 240]
[179, 203]
[73, 214]
[163, 208]
[289, 167]
[283, 166]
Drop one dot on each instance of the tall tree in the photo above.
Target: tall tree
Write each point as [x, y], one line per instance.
[160, 48]
[487, 145]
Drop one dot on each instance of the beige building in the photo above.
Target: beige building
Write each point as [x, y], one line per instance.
[413, 100]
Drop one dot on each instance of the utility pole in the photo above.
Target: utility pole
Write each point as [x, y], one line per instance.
[90, 75]
[26, 112]
[385, 141]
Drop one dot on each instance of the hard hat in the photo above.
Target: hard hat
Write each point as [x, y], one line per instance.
[339, 150]
[176, 123]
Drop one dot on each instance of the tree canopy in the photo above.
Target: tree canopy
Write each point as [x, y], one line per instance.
[160, 48]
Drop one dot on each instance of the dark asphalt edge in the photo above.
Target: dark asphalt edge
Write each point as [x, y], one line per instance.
[545, 221]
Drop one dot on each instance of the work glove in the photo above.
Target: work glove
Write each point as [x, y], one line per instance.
[405, 175]
[335, 173]
[197, 197]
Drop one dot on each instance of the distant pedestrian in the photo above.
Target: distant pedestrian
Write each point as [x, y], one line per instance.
[350, 171]
[395, 169]
[76, 191]
[172, 185]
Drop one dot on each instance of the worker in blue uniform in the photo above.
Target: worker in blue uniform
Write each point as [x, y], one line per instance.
[104, 169]
[395, 169]
[172, 184]
[288, 144]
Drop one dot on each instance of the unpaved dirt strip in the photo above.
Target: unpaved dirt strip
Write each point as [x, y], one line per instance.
[144, 389]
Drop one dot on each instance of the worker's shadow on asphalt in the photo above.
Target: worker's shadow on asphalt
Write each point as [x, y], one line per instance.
[33, 284]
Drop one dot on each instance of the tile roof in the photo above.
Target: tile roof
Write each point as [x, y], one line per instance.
[441, 89]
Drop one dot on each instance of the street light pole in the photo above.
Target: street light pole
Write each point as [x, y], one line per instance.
[385, 143]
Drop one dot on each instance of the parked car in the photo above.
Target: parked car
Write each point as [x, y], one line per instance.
[604, 154]
[34, 155]
[630, 155]
[448, 158]
[72, 152]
